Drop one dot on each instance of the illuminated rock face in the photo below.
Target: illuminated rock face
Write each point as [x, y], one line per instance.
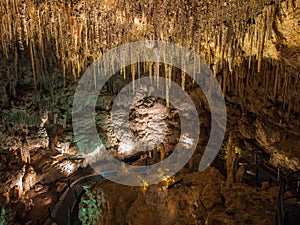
[150, 122]
[29, 179]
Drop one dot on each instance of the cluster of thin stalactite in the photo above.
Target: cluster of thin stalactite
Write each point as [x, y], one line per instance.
[72, 34]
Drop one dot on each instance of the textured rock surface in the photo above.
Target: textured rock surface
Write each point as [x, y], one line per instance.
[149, 121]
[252, 48]
[200, 198]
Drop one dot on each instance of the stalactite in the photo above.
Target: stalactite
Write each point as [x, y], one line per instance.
[64, 73]
[10, 19]
[46, 31]
[229, 56]
[3, 41]
[241, 82]
[150, 71]
[20, 39]
[133, 76]
[75, 30]
[38, 71]
[55, 35]
[78, 67]
[124, 69]
[261, 41]
[51, 21]
[124, 73]
[222, 43]
[32, 64]
[285, 87]
[4, 29]
[73, 71]
[167, 71]
[63, 53]
[105, 66]
[3, 7]
[297, 80]
[85, 34]
[22, 11]
[194, 69]
[15, 64]
[183, 73]
[269, 20]
[289, 109]
[276, 80]
[112, 64]
[236, 82]
[267, 80]
[41, 43]
[60, 35]
[79, 31]
[95, 76]
[139, 71]
[107, 33]
[156, 78]
[217, 48]
[251, 35]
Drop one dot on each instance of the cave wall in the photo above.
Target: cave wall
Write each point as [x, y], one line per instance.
[251, 46]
